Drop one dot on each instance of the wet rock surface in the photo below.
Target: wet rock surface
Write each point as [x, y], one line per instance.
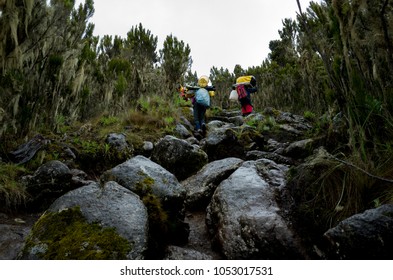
[237, 204]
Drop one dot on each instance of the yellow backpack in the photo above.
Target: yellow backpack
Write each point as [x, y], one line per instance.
[246, 80]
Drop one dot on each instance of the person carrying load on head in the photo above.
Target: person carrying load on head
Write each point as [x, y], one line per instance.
[200, 98]
[245, 85]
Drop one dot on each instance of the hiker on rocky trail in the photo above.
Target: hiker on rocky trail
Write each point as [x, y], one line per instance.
[200, 98]
[245, 85]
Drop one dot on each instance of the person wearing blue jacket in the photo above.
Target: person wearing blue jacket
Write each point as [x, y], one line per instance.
[201, 101]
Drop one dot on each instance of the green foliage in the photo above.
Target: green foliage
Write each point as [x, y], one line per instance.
[12, 192]
[90, 148]
[308, 115]
[61, 124]
[223, 80]
[108, 120]
[121, 85]
[283, 51]
[325, 192]
[42, 43]
[141, 46]
[119, 66]
[157, 113]
[54, 66]
[268, 124]
[176, 60]
[67, 235]
[87, 76]
[169, 120]
[96, 156]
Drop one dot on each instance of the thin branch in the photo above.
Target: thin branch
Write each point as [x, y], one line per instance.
[361, 170]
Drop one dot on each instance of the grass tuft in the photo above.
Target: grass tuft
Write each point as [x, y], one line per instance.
[13, 194]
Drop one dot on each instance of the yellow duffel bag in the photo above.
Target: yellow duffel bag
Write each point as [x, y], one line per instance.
[246, 80]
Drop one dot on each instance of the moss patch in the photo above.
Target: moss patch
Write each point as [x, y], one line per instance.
[67, 235]
[94, 156]
[158, 217]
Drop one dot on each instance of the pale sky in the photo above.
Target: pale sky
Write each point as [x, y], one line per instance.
[220, 33]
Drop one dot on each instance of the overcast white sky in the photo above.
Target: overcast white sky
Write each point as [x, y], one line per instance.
[220, 33]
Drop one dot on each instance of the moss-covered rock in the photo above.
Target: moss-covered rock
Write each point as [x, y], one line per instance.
[251, 139]
[162, 195]
[68, 235]
[91, 222]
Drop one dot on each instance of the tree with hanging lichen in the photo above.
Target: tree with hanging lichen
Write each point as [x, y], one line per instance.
[353, 40]
[41, 68]
[53, 70]
[140, 49]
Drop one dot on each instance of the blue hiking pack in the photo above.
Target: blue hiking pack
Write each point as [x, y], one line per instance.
[202, 97]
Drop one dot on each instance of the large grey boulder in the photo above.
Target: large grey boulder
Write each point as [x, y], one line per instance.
[214, 124]
[201, 186]
[222, 143]
[244, 217]
[297, 122]
[179, 157]
[182, 131]
[49, 181]
[289, 127]
[118, 141]
[300, 149]
[277, 158]
[142, 176]
[76, 223]
[159, 189]
[363, 236]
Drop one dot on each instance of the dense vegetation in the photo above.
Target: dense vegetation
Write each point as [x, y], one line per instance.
[334, 61]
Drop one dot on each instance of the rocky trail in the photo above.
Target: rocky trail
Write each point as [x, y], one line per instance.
[199, 235]
[239, 193]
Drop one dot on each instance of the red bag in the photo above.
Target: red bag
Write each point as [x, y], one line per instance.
[241, 92]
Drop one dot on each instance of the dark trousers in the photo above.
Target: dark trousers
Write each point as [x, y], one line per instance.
[199, 115]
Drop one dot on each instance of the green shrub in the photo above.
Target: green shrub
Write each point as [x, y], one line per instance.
[12, 192]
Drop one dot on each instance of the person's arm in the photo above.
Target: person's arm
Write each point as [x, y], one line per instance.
[210, 88]
[252, 89]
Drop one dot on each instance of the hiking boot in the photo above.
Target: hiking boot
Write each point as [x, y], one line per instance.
[198, 134]
[204, 128]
